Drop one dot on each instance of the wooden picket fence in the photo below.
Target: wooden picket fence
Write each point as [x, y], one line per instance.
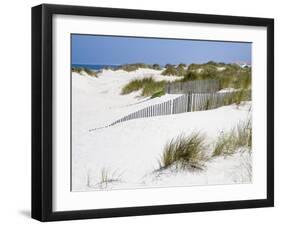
[187, 103]
[196, 86]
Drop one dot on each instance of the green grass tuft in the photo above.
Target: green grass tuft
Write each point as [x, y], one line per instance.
[170, 71]
[108, 177]
[153, 87]
[149, 86]
[81, 70]
[90, 72]
[184, 152]
[134, 85]
[238, 137]
[237, 97]
[174, 71]
[158, 94]
[133, 67]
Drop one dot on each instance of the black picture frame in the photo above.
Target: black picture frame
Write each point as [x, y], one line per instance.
[42, 107]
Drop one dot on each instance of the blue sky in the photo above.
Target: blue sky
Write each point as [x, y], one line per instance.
[110, 50]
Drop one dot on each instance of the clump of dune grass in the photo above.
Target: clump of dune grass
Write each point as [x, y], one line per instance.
[244, 134]
[149, 86]
[225, 143]
[78, 70]
[238, 97]
[170, 70]
[231, 141]
[158, 94]
[133, 67]
[132, 86]
[90, 72]
[174, 70]
[184, 152]
[81, 70]
[107, 177]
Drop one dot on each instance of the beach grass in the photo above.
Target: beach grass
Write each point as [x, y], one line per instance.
[170, 70]
[231, 141]
[84, 70]
[148, 85]
[184, 152]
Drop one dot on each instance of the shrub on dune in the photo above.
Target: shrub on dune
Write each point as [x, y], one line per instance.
[189, 76]
[156, 67]
[193, 67]
[181, 71]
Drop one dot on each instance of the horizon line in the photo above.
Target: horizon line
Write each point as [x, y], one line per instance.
[117, 64]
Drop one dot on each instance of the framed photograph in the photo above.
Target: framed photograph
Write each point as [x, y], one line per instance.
[145, 112]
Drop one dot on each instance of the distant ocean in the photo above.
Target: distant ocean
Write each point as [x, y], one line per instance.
[95, 67]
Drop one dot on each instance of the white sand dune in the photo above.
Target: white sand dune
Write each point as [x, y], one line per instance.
[128, 151]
